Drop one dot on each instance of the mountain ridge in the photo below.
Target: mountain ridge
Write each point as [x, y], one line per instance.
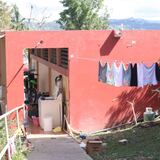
[128, 24]
[135, 23]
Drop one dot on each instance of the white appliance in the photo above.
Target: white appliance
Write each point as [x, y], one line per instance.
[50, 107]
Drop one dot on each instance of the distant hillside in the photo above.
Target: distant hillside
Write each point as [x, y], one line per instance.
[45, 26]
[51, 26]
[130, 23]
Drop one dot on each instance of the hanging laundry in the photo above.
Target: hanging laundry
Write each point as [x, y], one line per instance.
[157, 72]
[127, 75]
[110, 74]
[134, 80]
[118, 74]
[102, 72]
[146, 75]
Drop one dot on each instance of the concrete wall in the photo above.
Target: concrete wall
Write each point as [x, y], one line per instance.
[65, 89]
[95, 105]
[14, 72]
[43, 81]
[34, 64]
[92, 105]
[54, 74]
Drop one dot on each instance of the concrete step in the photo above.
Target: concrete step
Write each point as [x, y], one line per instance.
[59, 148]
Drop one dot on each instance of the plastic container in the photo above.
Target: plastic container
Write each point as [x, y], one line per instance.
[149, 115]
[35, 121]
[47, 121]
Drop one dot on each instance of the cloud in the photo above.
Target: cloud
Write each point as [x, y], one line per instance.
[41, 8]
[147, 9]
[118, 9]
[151, 14]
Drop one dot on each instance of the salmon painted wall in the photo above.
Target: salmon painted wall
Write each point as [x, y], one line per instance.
[14, 74]
[15, 43]
[93, 105]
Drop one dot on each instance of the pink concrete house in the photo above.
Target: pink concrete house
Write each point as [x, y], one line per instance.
[91, 105]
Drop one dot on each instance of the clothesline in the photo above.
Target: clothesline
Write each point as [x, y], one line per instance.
[134, 75]
[111, 61]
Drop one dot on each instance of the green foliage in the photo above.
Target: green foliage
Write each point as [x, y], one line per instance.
[5, 15]
[143, 143]
[18, 23]
[3, 138]
[82, 15]
[10, 17]
[21, 150]
[18, 156]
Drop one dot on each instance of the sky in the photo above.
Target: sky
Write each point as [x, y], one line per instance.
[118, 9]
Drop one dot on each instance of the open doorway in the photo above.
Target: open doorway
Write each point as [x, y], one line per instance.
[46, 87]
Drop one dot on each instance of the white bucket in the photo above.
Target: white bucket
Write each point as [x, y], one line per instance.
[47, 121]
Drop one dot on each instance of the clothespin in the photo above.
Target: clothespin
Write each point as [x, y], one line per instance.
[115, 61]
[108, 63]
[100, 61]
[124, 66]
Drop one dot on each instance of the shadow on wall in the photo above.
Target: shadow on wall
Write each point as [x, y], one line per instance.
[109, 44]
[121, 111]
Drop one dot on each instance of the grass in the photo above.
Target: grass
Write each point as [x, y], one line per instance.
[21, 149]
[143, 144]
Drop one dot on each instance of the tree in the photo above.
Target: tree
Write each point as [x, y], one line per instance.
[5, 16]
[82, 14]
[17, 22]
[38, 24]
